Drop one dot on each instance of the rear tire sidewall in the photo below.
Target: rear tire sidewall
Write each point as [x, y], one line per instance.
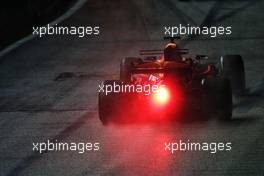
[219, 98]
[232, 68]
[107, 103]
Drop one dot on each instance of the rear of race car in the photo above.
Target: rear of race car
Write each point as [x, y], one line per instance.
[147, 97]
[139, 106]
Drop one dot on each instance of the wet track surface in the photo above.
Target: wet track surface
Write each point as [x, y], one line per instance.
[48, 90]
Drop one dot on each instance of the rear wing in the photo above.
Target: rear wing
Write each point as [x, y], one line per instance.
[180, 70]
[160, 52]
[151, 52]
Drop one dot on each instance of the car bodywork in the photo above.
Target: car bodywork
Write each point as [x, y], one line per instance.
[189, 84]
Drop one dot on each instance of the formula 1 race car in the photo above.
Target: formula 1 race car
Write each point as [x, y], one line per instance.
[165, 84]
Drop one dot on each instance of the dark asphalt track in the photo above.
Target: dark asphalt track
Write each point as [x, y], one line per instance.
[35, 106]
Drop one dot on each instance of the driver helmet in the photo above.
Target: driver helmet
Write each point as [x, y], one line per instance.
[171, 52]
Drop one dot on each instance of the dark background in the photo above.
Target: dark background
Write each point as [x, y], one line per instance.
[18, 16]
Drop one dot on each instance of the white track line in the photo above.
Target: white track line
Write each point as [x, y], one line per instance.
[18, 43]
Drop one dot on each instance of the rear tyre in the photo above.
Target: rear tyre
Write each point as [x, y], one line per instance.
[107, 103]
[233, 69]
[126, 66]
[226, 100]
[220, 97]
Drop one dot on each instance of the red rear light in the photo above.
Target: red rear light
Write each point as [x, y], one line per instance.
[161, 96]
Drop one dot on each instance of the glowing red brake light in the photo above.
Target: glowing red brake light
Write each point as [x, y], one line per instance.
[161, 96]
